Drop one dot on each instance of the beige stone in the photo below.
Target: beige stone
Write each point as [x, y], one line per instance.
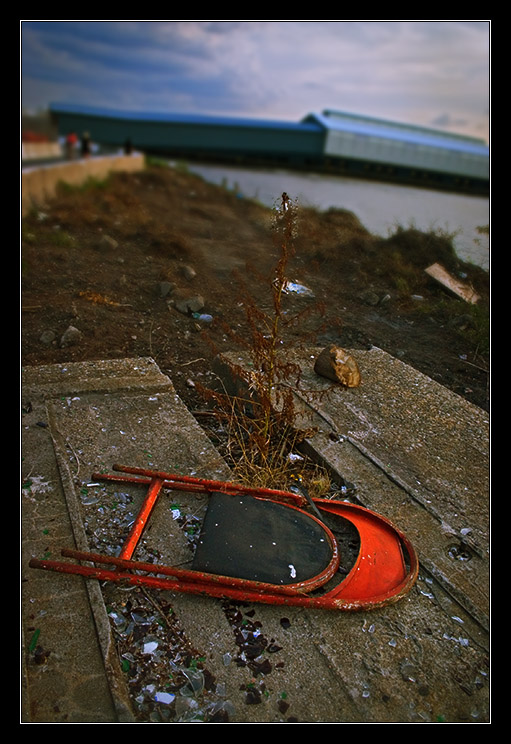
[337, 364]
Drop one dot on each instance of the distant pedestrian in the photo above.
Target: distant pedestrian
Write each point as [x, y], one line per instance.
[85, 145]
[128, 147]
[71, 142]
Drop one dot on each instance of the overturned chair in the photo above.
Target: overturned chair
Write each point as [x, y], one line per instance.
[263, 545]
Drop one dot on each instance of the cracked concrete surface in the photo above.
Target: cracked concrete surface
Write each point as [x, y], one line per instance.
[424, 659]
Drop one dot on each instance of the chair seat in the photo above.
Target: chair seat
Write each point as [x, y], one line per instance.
[260, 540]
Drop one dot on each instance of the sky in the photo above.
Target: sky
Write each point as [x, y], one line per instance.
[428, 73]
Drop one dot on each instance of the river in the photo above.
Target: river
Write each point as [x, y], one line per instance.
[381, 207]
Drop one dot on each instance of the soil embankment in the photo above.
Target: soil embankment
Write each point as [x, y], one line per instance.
[125, 268]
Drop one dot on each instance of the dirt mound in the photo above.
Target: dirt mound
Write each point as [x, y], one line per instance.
[105, 259]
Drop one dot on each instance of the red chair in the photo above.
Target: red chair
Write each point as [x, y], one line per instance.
[264, 545]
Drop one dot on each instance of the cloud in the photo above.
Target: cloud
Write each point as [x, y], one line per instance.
[415, 71]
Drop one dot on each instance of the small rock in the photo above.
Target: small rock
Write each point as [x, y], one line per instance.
[166, 288]
[47, 338]
[336, 364]
[463, 322]
[188, 272]
[71, 337]
[186, 303]
[108, 242]
[369, 297]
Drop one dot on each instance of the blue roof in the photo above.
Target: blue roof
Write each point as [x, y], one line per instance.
[400, 132]
[175, 118]
[314, 123]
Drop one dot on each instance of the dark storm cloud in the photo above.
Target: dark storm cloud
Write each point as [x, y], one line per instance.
[414, 71]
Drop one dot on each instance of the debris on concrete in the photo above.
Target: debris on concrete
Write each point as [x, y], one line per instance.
[461, 289]
[424, 659]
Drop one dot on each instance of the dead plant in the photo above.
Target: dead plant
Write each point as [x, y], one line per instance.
[260, 419]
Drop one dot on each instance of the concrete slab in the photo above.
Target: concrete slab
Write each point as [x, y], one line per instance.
[417, 453]
[424, 659]
[71, 674]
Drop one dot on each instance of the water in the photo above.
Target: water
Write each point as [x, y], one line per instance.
[381, 207]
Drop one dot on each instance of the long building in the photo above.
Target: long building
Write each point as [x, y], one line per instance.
[333, 141]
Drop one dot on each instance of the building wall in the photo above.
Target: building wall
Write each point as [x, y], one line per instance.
[172, 136]
[404, 154]
[333, 141]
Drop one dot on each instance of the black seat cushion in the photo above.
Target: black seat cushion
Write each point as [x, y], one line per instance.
[260, 540]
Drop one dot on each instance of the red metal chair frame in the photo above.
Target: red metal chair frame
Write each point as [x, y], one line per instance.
[385, 569]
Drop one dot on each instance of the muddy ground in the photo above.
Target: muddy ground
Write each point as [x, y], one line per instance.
[109, 260]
